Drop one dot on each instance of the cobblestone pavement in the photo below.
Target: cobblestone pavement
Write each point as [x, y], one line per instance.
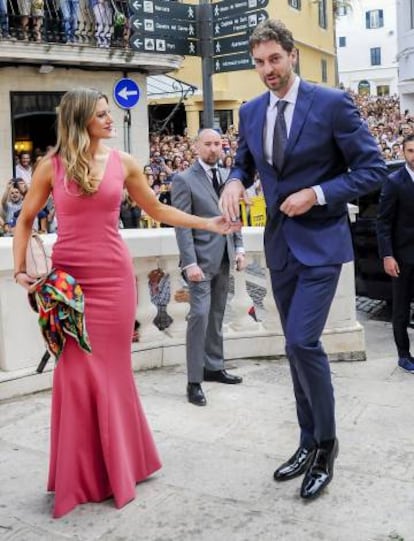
[216, 482]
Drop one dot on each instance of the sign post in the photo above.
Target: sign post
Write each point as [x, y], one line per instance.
[218, 33]
[126, 95]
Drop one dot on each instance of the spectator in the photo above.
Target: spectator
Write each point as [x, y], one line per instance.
[70, 15]
[4, 20]
[24, 168]
[35, 10]
[11, 203]
[130, 212]
[102, 11]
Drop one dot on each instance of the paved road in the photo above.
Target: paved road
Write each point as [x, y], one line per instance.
[216, 482]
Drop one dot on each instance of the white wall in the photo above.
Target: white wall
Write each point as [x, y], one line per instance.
[354, 60]
[405, 54]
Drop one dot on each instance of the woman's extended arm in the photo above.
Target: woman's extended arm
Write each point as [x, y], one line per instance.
[145, 198]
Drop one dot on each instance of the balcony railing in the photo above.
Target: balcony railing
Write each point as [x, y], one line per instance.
[100, 23]
[21, 346]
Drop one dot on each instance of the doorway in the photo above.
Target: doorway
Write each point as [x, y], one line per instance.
[33, 121]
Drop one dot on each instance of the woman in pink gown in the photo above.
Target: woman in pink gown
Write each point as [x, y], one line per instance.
[101, 444]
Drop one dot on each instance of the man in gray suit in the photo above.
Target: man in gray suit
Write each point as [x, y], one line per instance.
[205, 261]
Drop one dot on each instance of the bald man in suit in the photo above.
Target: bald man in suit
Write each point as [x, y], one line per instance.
[205, 260]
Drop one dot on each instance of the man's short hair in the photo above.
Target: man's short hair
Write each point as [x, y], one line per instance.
[272, 30]
[407, 139]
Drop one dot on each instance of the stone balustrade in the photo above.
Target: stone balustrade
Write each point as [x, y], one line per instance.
[21, 345]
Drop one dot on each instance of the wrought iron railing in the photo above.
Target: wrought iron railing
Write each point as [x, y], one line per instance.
[100, 23]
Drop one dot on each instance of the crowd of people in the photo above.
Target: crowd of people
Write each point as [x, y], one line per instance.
[171, 154]
[103, 23]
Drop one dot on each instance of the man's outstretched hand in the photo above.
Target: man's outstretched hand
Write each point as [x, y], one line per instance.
[230, 198]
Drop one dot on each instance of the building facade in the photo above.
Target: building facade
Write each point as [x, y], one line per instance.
[45, 54]
[366, 34]
[51, 50]
[405, 24]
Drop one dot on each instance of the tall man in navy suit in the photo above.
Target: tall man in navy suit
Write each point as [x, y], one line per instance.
[313, 154]
[395, 228]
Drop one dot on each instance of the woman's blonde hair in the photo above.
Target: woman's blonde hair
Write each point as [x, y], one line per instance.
[76, 110]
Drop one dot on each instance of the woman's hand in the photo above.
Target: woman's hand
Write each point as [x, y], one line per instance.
[220, 225]
[25, 281]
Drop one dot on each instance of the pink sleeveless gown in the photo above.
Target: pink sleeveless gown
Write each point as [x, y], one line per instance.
[101, 444]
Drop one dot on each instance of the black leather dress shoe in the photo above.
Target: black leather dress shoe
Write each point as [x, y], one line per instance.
[195, 394]
[320, 472]
[296, 465]
[222, 376]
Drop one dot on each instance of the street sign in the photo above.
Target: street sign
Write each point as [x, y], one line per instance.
[146, 44]
[164, 27]
[236, 7]
[126, 93]
[231, 44]
[233, 62]
[238, 23]
[163, 8]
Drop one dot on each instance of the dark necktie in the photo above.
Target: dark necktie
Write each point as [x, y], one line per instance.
[279, 135]
[216, 183]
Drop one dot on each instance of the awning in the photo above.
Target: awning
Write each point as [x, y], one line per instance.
[164, 86]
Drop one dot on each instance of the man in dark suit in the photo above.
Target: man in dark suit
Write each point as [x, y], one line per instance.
[395, 230]
[313, 154]
[205, 260]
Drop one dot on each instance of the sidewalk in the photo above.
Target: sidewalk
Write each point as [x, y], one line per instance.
[216, 483]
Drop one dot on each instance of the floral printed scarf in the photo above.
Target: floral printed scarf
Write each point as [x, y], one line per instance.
[60, 303]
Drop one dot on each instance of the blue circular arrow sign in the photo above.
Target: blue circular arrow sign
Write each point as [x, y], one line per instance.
[126, 93]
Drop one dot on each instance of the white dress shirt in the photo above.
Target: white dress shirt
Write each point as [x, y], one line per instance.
[271, 114]
[410, 172]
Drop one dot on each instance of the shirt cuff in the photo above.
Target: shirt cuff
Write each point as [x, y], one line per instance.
[188, 266]
[320, 196]
[232, 179]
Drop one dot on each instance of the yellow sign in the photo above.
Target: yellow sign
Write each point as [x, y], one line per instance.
[255, 213]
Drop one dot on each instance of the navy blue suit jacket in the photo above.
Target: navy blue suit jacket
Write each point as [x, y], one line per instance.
[328, 145]
[395, 225]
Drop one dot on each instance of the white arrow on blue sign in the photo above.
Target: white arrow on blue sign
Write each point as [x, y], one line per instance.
[126, 93]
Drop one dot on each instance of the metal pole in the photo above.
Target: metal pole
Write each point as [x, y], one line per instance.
[206, 47]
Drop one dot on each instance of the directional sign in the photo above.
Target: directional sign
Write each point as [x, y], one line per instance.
[235, 7]
[160, 8]
[164, 27]
[151, 44]
[233, 62]
[231, 44]
[240, 23]
[126, 93]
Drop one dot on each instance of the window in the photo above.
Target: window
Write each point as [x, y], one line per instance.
[223, 118]
[323, 23]
[342, 41]
[324, 70]
[383, 90]
[297, 67]
[364, 88]
[374, 18]
[375, 56]
[412, 14]
[296, 4]
[341, 10]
